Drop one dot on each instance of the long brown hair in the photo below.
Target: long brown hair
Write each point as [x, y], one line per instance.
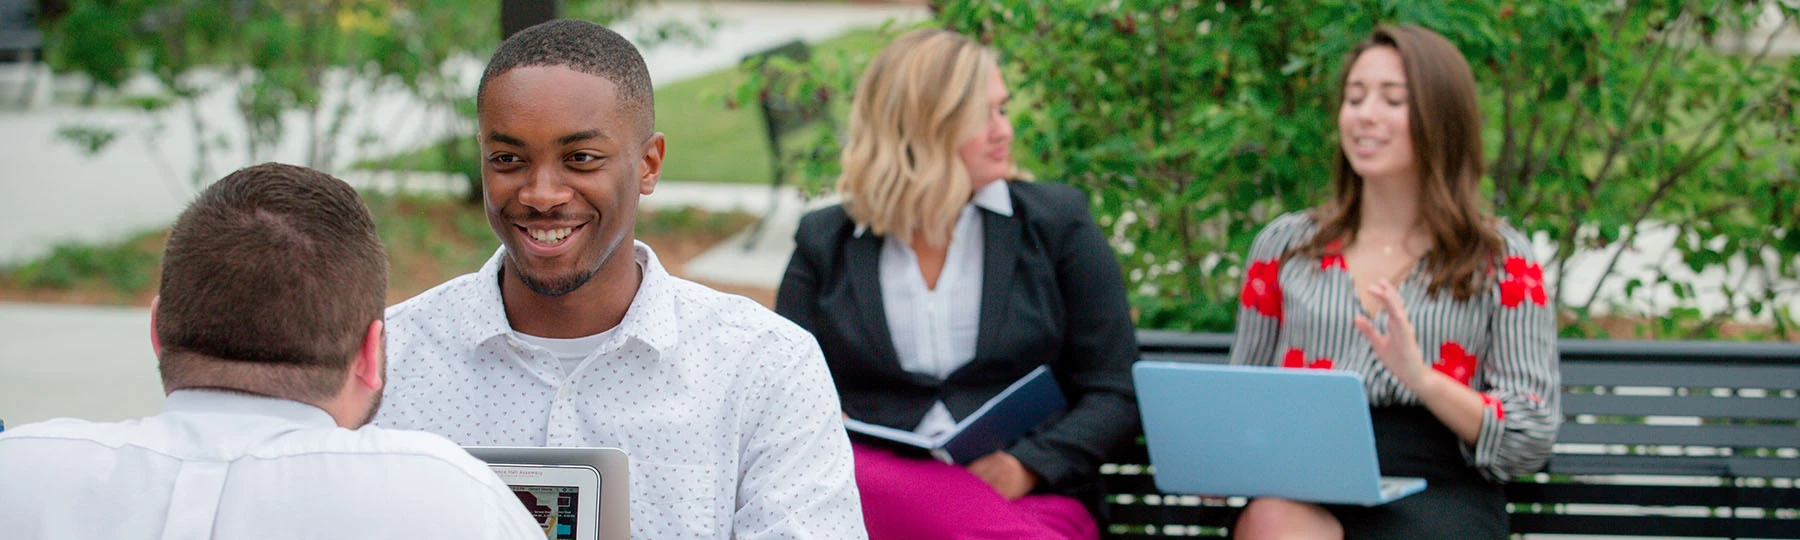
[1446, 135]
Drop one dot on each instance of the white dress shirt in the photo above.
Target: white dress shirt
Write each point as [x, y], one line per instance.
[223, 465]
[934, 330]
[726, 409]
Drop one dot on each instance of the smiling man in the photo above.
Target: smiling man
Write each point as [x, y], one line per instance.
[574, 335]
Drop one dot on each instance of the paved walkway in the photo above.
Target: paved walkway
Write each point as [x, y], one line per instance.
[79, 361]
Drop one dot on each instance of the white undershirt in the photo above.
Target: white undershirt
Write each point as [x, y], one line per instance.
[935, 330]
[570, 352]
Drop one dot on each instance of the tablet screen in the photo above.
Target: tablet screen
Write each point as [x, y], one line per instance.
[563, 499]
[554, 507]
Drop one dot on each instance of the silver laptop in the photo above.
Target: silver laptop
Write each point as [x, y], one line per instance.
[575, 493]
[1301, 434]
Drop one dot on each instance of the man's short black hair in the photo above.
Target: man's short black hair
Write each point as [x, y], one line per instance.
[270, 279]
[585, 47]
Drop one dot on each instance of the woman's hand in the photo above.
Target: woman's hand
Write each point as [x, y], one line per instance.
[1454, 403]
[1005, 474]
[1398, 349]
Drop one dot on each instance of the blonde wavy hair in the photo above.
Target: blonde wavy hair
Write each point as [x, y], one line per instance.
[921, 96]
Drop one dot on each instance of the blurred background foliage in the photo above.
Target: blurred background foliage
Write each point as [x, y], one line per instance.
[1608, 124]
[290, 56]
[1191, 124]
[287, 61]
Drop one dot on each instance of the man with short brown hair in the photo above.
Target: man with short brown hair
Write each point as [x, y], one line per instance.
[269, 333]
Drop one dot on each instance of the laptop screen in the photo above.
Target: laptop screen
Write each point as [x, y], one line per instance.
[554, 507]
[562, 487]
[564, 499]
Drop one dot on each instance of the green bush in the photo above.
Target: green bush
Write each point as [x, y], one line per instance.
[124, 268]
[1192, 123]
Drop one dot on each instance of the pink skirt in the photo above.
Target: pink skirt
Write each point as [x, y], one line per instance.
[920, 499]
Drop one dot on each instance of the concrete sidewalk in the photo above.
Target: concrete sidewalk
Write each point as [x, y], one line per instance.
[78, 361]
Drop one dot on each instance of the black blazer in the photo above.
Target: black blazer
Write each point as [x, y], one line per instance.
[1052, 294]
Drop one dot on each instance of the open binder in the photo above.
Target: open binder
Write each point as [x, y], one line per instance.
[1010, 414]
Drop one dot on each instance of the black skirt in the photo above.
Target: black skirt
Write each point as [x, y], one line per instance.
[1457, 502]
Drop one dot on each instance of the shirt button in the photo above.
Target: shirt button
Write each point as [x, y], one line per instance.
[562, 393]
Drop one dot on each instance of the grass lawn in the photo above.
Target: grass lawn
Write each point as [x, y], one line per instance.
[706, 140]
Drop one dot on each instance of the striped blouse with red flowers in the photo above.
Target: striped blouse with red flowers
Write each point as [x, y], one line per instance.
[1501, 343]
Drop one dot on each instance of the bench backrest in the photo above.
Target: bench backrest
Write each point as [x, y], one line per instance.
[784, 113]
[1659, 439]
[18, 29]
[1671, 439]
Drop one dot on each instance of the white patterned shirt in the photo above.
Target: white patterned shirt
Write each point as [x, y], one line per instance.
[1297, 313]
[221, 465]
[726, 409]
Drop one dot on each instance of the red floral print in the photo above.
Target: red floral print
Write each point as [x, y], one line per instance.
[1455, 362]
[1262, 288]
[1334, 256]
[1296, 358]
[1499, 408]
[1523, 280]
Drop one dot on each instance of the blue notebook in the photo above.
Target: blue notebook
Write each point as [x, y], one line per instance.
[1012, 413]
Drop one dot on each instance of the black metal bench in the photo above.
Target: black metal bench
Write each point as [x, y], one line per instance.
[21, 43]
[783, 112]
[1660, 439]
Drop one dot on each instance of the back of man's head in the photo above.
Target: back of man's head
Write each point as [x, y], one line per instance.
[270, 280]
[584, 47]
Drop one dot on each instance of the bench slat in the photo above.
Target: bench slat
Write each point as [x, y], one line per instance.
[1139, 484]
[1140, 514]
[1664, 351]
[1737, 466]
[1655, 526]
[1701, 406]
[1708, 496]
[1771, 436]
[1679, 374]
[1160, 532]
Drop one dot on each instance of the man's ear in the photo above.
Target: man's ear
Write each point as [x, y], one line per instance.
[370, 369]
[155, 340]
[653, 162]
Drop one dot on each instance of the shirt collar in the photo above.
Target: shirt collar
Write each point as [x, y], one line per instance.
[996, 198]
[650, 319]
[217, 401]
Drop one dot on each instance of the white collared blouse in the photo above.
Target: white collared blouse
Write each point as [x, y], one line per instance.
[935, 329]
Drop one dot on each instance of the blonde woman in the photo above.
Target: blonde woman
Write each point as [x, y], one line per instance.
[940, 280]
